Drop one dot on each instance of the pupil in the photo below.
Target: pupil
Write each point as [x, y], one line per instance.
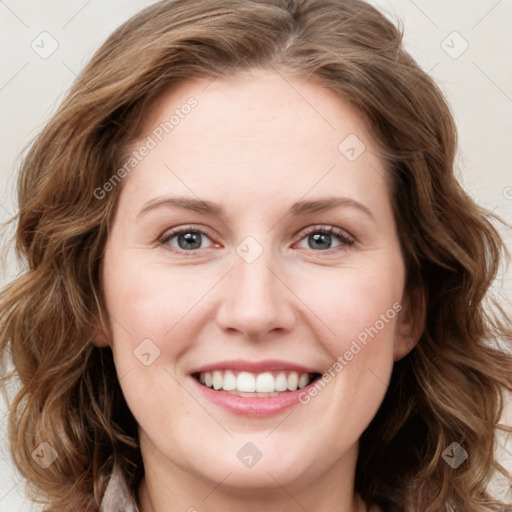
[318, 238]
[190, 239]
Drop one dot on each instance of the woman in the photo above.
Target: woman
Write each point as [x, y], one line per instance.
[184, 338]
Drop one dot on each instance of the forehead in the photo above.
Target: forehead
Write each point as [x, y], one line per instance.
[255, 132]
[240, 105]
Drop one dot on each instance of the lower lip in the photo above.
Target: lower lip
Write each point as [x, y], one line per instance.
[254, 407]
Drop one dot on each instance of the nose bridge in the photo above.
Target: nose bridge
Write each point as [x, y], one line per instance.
[255, 301]
[252, 270]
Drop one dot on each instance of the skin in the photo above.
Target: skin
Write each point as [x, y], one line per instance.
[254, 144]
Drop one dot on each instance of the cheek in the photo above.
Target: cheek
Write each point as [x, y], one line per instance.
[361, 307]
[353, 387]
[358, 305]
[154, 316]
[147, 314]
[146, 299]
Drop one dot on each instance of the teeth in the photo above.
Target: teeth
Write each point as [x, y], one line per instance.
[293, 381]
[303, 380]
[250, 384]
[245, 382]
[229, 381]
[217, 380]
[265, 383]
[281, 382]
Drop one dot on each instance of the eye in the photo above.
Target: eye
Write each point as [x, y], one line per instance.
[319, 237]
[188, 239]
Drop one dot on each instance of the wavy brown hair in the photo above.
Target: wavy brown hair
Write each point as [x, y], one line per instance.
[448, 389]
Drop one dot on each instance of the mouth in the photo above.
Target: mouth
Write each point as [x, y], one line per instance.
[255, 385]
[255, 389]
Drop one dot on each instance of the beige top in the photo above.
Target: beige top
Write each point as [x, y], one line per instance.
[117, 497]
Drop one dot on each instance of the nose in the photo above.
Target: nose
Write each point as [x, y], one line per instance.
[256, 300]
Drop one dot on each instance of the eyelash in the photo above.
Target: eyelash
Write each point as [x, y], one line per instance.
[341, 235]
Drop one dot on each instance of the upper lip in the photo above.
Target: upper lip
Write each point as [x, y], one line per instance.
[268, 365]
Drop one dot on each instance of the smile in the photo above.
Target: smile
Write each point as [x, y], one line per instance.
[261, 385]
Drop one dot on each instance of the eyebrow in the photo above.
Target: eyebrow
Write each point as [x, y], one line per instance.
[297, 209]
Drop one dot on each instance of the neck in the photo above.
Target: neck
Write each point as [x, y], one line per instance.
[323, 489]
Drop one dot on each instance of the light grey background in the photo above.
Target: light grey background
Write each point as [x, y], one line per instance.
[477, 81]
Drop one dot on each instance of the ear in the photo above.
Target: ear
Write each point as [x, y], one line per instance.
[99, 336]
[99, 339]
[410, 323]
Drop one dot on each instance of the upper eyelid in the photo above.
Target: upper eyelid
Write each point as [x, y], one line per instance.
[176, 231]
[325, 227]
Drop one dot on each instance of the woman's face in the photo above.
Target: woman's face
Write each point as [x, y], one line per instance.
[252, 294]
